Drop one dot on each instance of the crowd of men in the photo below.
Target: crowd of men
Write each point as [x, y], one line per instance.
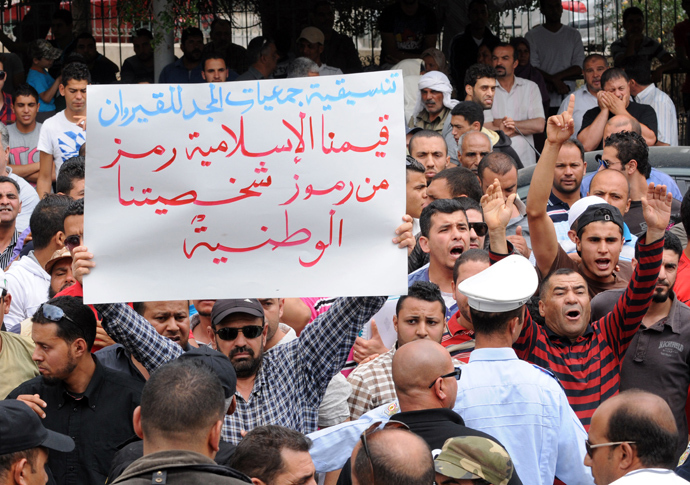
[539, 342]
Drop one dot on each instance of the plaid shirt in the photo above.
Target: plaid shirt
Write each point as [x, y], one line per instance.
[372, 384]
[292, 378]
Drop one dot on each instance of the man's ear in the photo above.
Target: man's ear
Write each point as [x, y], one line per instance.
[8, 301]
[469, 90]
[136, 421]
[62, 89]
[573, 236]
[80, 347]
[424, 244]
[60, 239]
[631, 166]
[214, 435]
[627, 456]
[395, 323]
[21, 472]
[476, 126]
[542, 310]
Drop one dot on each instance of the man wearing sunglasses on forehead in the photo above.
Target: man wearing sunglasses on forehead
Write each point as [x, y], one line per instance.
[282, 387]
[75, 394]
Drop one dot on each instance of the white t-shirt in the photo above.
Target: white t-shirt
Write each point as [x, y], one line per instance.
[553, 52]
[648, 476]
[61, 138]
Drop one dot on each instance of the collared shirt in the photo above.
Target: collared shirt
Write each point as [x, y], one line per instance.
[589, 367]
[177, 73]
[117, 358]
[665, 113]
[523, 102]
[6, 256]
[519, 404]
[292, 379]
[646, 476]
[584, 101]
[98, 422]
[422, 120]
[372, 384]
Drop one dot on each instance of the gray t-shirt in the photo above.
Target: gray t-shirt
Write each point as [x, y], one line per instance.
[23, 146]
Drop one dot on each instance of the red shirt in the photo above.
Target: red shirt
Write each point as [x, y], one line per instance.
[458, 340]
[682, 286]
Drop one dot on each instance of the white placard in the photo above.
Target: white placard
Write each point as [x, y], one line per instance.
[275, 188]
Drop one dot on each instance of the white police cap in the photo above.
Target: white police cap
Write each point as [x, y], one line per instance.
[503, 286]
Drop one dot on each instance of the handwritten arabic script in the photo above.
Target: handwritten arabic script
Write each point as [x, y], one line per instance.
[278, 188]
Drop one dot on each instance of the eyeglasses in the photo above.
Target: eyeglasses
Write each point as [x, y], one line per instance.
[589, 447]
[3, 75]
[456, 373]
[54, 313]
[72, 242]
[602, 162]
[373, 429]
[230, 333]
[479, 227]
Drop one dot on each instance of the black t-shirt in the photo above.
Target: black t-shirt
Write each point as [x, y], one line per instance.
[641, 112]
[409, 30]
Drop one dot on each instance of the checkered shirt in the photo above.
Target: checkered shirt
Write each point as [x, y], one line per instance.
[293, 377]
[372, 384]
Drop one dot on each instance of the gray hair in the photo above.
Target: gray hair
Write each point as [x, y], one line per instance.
[4, 136]
[462, 137]
[301, 67]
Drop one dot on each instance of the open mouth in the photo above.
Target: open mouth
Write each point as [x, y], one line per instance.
[602, 264]
[572, 315]
[456, 251]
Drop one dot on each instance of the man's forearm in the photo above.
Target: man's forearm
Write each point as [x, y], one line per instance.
[530, 127]
[648, 135]
[498, 241]
[591, 136]
[542, 180]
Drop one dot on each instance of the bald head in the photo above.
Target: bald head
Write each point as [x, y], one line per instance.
[643, 405]
[418, 364]
[621, 123]
[397, 456]
[612, 186]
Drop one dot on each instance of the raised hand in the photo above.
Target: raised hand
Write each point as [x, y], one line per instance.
[561, 127]
[497, 210]
[656, 208]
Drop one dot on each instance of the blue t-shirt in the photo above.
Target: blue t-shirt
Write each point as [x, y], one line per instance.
[41, 81]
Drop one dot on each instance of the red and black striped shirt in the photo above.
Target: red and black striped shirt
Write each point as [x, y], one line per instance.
[589, 367]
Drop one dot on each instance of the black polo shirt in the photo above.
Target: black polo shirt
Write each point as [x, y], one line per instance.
[98, 421]
[643, 113]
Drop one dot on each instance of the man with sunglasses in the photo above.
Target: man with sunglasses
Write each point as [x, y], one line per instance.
[632, 441]
[75, 394]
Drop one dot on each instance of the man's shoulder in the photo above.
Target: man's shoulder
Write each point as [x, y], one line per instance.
[117, 381]
[33, 386]
[421, 274]
[381, 364]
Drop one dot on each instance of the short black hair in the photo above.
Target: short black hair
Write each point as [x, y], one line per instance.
[498, 162]
[471, 255]
[83, 324]
[491, 323]
[469, 110]
[613, 73]
[631, 11]
[25, 90]
[546, 282]
[184, 397]
[219, 21]
[75, 71]
[211, 55]
[443, 206]
[656, 446]
[477, 71]
[9, 459]
[577, 144]
[64, 15]
[48, 218]
[672, 243]
[86, 35]
[507, 44]
[7, 180]
[638, 69]
[72, 170]
[75, 208]
[259, 455]
[461, 181]
[631, 146]
[141, 33]
[426, 134]
[257, 47]
[594, 56]
[191, 32]
[425, 291]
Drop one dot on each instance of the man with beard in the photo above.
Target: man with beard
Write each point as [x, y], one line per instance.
[76, 395]
[659, 355]
[586, 97]
[59, 267]
[186, 69]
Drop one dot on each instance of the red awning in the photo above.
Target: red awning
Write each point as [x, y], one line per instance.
[574, 6]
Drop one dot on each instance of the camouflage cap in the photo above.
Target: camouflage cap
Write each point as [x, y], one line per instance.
[474, 457]
[42, 49]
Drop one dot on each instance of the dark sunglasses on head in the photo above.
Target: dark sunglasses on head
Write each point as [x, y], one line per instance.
[72, 242]
[480, 228]
[54, 313]
[230, 333]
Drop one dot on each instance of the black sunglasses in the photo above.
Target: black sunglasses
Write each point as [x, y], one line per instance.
[602, 162]
[479, 227]
[54, 313]
[72, 242]
[230, 333]
[456, 373]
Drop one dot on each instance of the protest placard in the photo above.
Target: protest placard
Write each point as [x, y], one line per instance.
[275, 188]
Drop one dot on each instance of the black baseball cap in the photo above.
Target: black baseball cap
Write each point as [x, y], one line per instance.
[223, 308]
[21, 429]
[599, 213]
[219, 363]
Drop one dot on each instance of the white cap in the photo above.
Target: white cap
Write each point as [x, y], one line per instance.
[501, 287]
[580, 206]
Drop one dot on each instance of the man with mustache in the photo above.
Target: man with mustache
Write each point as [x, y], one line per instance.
[586, 97]
[188, 68]
[658, 359]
